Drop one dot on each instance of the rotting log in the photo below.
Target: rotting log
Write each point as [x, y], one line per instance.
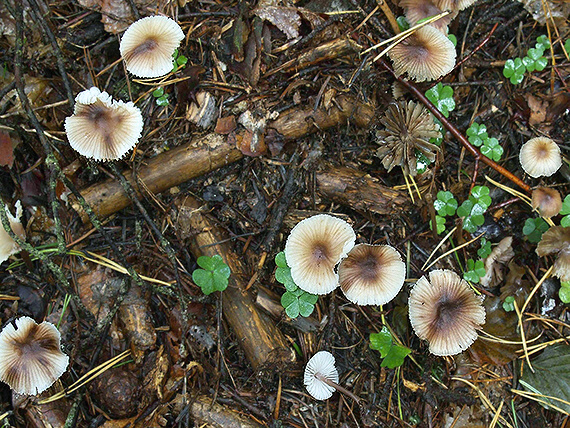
[210, 152]
[360, 192]
[264, 345]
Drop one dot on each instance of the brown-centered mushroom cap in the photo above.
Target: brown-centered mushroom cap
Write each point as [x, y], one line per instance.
[372, 274]
[148, 45]
[416, 10]
[426, 55]
[547, 201]
[7, 245]
[321, 364]
[313, 249]
[103, 129]
[540, 157]
[446, 312]
[556, 241]
[30, 356]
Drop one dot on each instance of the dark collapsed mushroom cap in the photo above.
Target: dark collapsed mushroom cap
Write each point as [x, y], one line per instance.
[445, 312]
[556, 241]
[547, 201]
[101, 128]
[426, 55]
[30, 356]
[313, 249]
[416, 10]
[540, 156]
[372, 274]
[321, 364]
[148, 45]
[409, 126]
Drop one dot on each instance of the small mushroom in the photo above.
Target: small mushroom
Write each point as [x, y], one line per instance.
[372, 274]
[321, 377]
[426, 55]
[31, 359]
[417, 10]
[7, 245]
[446, 312]
[103, 129]
[148, 45]
[540, 157]
[556, 241]
[547, 201]
[454, 5]
[313, 249]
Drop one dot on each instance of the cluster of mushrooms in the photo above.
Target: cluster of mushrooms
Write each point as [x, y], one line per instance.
[322, 255]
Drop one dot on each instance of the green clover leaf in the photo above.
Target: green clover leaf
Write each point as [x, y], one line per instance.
[213, 276]
[485, 249]
[445, 204]
[475, 271]
[492, 149]
[514, 70]
[442, 97]
[440, 222]
[564, 292]
[565, 211]
[392, 353]
[477, 134]
[509, 304]
[542, 42]
[534, 228]
[298, 303]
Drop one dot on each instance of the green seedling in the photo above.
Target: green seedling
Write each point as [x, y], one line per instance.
[161, 97]
[509, 304]
[564, 292]
[473, 209]
[440, 222]
[534, 228]
[442, 97]
[475, 271]
[445, 204]
[179, 61]
[403, 23]
[213, 276]
[492, 149]
[295, 301]
[535, 60]
[477, 134]
[485, 249]
[565, 211]
[393, 354]
[514, 70]
[542, 42]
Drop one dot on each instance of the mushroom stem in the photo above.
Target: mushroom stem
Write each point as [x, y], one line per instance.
[337, 387]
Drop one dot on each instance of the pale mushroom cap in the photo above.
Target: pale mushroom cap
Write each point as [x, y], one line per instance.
[30, 356]
[313, 249]
[372, 274]
[103, 129]
[453, 5]
[322, 362]
[556, 240]
[547, 200]
[426, 55]
[540, 157]
[148, 45]
[7, 245]
[445, 312]
[416, 10]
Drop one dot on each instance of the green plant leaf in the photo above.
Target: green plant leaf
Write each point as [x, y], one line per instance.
[440, 222]
[542, 42]
[475, 270]
[564, 292]
[509, 304]
[442, 97]
[395, 357]
[382, 341]
[485, 249]
[445, 204]
[291, 304]
[403, 23]
[492, 149]
[567, 46]
[551, 376]
[158, 92]
[514, 70]
[162, 101]
[298, 302]
[477, 134]
[214, 274]
[453, 39]
[534, 228]
[205, 280]
[280, 260]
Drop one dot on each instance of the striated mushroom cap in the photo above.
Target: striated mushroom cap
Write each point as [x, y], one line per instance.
[409, 126]
[540, 157]
[446, 312]
[416, 10]
[321, 364]
[454, 5]
[426, 55]
[30, 356]
[7, 245]
[103, 129]
[372, 274]
[556, 241]
[547, 201]
[148, 45]
[313, 249]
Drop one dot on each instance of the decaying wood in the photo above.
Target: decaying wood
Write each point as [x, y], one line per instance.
[207, 153]
[263, 344]
[360, 191]
[217, 416]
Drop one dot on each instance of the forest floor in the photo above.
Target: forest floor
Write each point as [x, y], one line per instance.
[274, 118]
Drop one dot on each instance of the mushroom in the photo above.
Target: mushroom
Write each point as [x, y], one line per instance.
[7, 245]
[540, 156]
[103, 129]
[409, 126]
[148, 45]
[446, 312]
[372, 274]
[321, 377]
[30, 355]
[313, 249]
[453, 5]
[556, 240]
[417, 10]
[547, 201]
[426, 55]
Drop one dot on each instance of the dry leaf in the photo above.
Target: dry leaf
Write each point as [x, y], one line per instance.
[287, 19]
[6, 150]
[538, 110]
[500, 256]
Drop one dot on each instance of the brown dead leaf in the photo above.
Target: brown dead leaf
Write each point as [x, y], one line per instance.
[538, 109]
[287, 19]
[225, 125]
[6, 150]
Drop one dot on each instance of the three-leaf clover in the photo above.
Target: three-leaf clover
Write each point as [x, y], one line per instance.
[509, 304]
[445, 204]
[179, 61]
[440, 223]
[473, 209]
[564, 292]
[534, 228]
[542, 42]
[295, 301]
[535, 60]
[485, 249]
[213, 276]
[475, 270]
[492, 149]
[161, 96]
[442, 97]
[477, 134]
[514, 70]
[392, 353]
[565, 211]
